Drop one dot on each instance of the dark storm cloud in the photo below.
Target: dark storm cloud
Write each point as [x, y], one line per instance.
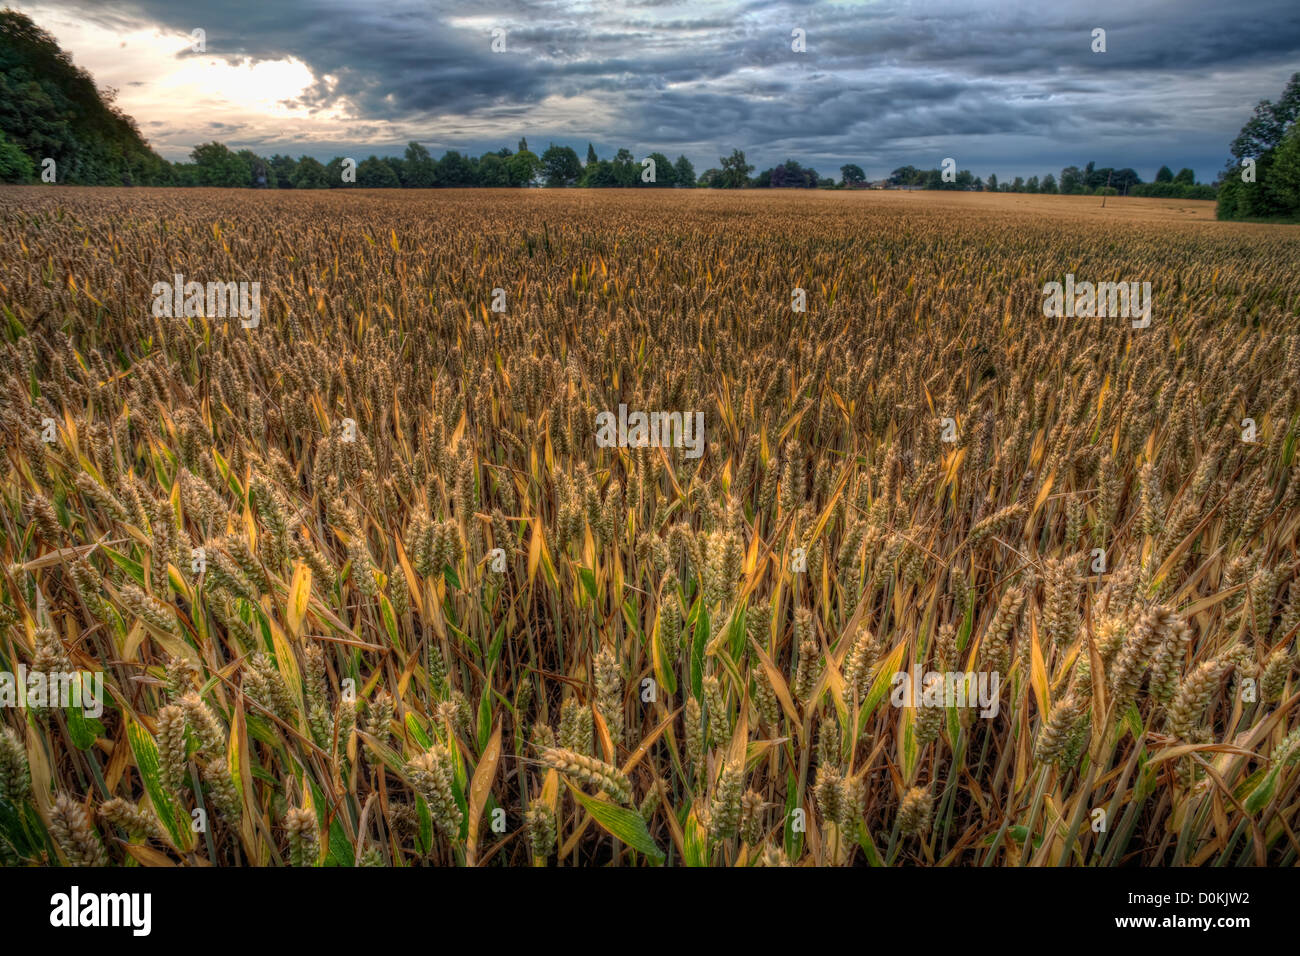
[881, 82]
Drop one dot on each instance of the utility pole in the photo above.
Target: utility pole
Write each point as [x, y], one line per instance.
[1103, 195]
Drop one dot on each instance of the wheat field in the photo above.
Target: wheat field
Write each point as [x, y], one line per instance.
[364, 588]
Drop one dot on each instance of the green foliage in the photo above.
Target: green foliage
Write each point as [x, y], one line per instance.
[51, 108]
[283, 168]
[310, 174]
[334, 174]
[735, 171]
[15, 167]
[665, 172]
[374, 173]
[216, 165]
[421, 170]
[1174, 190]
[560, 166]
[684, 172]
[492, 170]
[1269, 140]
[852, 173]
[523, 166]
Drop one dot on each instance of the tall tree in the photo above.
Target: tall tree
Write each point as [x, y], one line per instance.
[560, 166]
[455, 170]
[334, 174]
[284, 168]
[420, 169]
[1267, 147]
[665, 172]
[50, 108]
[310, 174]
[218, 166]
[684, 172]
[260, 175]
[523, 167]
[492, 170]
[1266, 127]
[905, 176]
[851, 174]
[374, 173]
[627, 171]
[735, 170]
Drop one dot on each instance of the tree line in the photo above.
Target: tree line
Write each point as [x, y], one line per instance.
[214, 164]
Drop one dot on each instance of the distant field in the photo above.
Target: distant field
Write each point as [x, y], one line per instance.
[360, 570]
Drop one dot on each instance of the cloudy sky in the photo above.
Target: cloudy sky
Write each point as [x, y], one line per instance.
[1006, 87]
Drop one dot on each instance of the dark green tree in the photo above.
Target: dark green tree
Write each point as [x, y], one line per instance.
[665, 172]
[599, 175]
[851, 174]
[684, 172]
[523, 167]
[627, 171]
[735, 170]
[905, 176]
[310, 174]
[560, 166]
[50, 108]
[218, 166]
[1265, 146]
[455, 170]
[260, 174]
[419, 168]
[283, 167]
[374, 173]
[492, 170]
[15, 167]
[334, 174]
[1265, 129]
